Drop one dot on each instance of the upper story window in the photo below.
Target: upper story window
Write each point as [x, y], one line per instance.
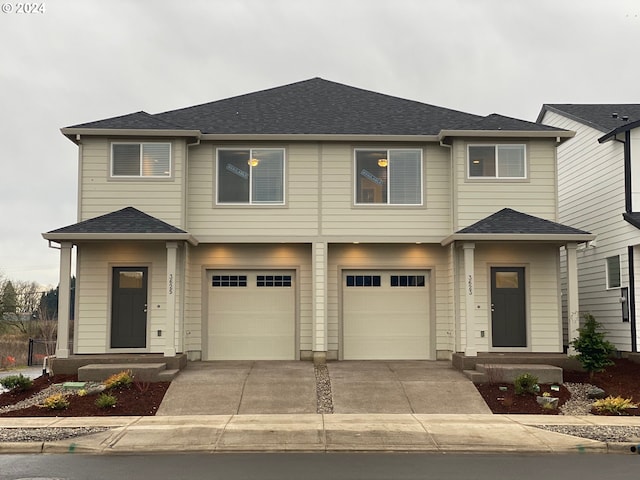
[141, 160]
[388, 177]
[506, 161]
[250, 176]
[613, 271]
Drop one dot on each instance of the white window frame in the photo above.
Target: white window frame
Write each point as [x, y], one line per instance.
[609, 286]
[497, 175]
[141, 175]
[250, 202]
[388, 203]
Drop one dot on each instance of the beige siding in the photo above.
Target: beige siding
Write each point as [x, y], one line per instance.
[429, 257]
[477, 199]
[240, 257]
[542, 292]
[100, 194]
[591, 193]
[93, 314]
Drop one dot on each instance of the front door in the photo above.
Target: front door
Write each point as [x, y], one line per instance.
[129, 307]
[508, 318]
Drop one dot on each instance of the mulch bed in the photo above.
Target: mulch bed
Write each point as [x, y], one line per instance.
[137, 399]
[621, 379]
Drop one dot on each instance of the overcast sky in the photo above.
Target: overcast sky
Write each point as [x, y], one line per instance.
[84, 60]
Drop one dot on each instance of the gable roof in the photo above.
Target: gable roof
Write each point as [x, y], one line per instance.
[314, 107]
[128, 223]
[596, 115]
[509, 224]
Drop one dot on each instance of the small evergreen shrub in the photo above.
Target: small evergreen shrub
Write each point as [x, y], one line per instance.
[121, 379]
[593, 350]
[19, 383]
[614, 405]
[526, 383]
[106, 401]
[57, 401]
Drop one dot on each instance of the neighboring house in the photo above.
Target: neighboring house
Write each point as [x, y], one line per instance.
[312, 221]
[599, 190]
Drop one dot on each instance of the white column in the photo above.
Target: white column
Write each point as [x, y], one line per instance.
[573, 305]
[319, 285]
[469, 286]
[170, 324]
[64, 300]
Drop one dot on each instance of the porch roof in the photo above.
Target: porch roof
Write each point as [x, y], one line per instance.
[126, 224]
[511, 225]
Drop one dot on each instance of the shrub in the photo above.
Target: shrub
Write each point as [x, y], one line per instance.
[19, 383]
[593, 350]
[615, 405]
[121, 379]
[106, 401]
[57, 401]
[526, 383]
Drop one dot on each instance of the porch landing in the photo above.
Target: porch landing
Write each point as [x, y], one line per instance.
[145, 367]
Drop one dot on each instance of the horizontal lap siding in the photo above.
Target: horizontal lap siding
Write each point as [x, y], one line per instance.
[475, 200]
[95, 262]
[245, 257]
[392, 257]
[591, 192]
[298, 217]
[541, 281]
[100, 194]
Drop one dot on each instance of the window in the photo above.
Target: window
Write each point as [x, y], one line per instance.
[251, 176]
[141, 160]
[363, 280]
[496, 161]
[229, 281]
[388, 177]
[273, 280]
[613, 272]
[407, 280]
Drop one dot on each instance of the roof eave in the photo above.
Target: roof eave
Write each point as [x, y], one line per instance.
[73, 133]
[620, 129]
[317, 137]
[564, 134]
[519, 237]
[87, 237]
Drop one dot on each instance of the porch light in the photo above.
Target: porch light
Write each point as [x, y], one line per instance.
[253, 162]
[383, 162]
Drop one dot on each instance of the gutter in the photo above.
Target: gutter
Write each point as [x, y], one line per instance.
[518, 237]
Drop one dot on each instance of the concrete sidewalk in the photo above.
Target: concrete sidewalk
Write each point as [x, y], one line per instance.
[320, 433]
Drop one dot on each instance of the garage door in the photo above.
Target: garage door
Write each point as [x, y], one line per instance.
[251, 315]
[385, 315]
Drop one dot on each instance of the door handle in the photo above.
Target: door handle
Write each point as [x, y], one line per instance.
[145, 308]
[493, 307]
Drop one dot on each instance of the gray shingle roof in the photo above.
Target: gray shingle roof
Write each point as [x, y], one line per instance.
[596, 115]
[127, 220]
[316, 106]
[510, 221]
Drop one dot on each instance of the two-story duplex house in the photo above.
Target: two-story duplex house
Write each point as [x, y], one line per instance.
[316, 221]
[599, 190]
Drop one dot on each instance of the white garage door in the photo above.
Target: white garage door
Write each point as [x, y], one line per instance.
[385, 315]
[251, 315]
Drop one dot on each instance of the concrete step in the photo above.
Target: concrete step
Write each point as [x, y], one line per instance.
[167, 375]
[507, 373]
[475, 376]
[144, 372]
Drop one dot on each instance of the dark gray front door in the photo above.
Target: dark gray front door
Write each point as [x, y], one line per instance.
[129, 307]
[508, 319]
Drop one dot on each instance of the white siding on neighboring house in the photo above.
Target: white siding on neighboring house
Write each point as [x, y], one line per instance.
[101, 194]
[475, 199]
[592, 198]
[635, 169]
[93, 283]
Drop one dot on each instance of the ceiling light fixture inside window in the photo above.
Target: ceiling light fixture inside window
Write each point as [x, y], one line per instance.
[253, 162]
[383, 162]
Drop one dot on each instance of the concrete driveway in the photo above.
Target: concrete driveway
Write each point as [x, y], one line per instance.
[279, 387]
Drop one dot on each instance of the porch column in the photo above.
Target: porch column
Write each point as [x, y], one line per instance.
[573, 305]
[170, 324]
[64, 301]
[319, 285]
[470, 313]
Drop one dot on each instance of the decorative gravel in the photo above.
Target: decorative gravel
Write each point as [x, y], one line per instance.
[578, 404]
[601, 433]
[48, 434]
[323, 390]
